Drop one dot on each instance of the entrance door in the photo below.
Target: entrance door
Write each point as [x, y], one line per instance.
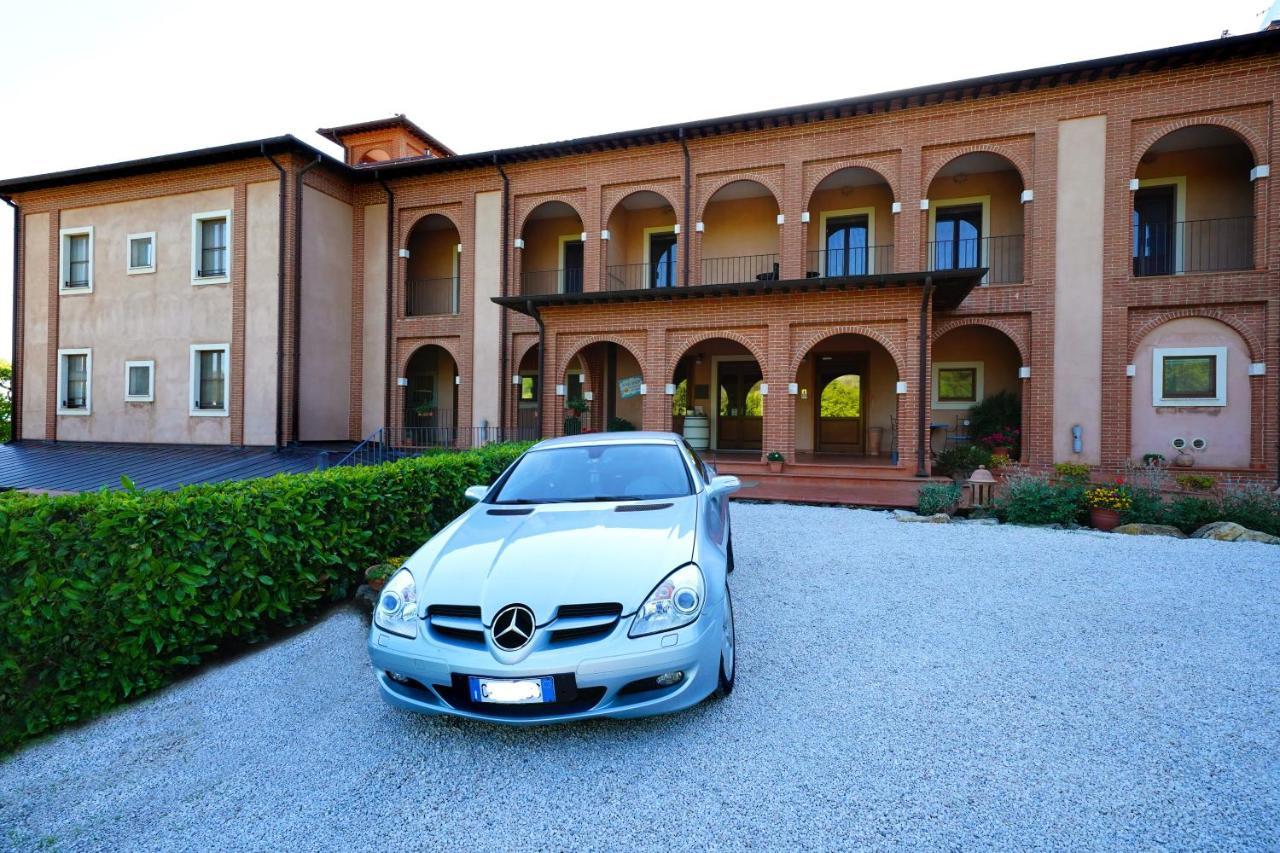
[957, 236]
[662, 260]
[740, 420]
[847, 245]
[1154, 209]
[842, 383]
[572, 267]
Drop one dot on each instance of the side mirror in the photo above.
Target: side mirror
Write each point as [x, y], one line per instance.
[723, 485]
[475, 494]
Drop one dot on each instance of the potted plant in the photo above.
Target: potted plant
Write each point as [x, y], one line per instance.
[378, 574]
[775, 462]
[573, 423]
[1105, 505]
[1001, 443]
[1152, 460]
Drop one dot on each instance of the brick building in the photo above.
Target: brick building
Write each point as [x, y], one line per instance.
[837, 282]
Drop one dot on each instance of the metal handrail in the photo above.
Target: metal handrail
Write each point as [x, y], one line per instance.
[641, 276]
[542, 282]
[855, 260]
[741, 269]
[431, 296]
[1197, 245]
[1002, 256]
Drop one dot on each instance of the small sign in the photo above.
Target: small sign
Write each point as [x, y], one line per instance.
[629, 386]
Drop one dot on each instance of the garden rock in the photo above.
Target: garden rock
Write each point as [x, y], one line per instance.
[1258, 536]
[907, 515]
[1222, 531]
[1150, 530]
[365, 597]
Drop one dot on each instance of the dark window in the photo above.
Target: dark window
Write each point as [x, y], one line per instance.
[957, 385]
[597, 472]
[847, 238]
[76, 370]
[140, 253]
[1192, 377]
[1154, 209]
[662, 260]
[957, 237]
[213, 248]
[78, 260]
[573, 259]
[139, 381]
[211, 380]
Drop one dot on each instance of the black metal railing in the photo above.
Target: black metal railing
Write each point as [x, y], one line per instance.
[427, 296]
[740, 269]
[388, 445]
[541, 282]
[641, 276]
[1003, 257]
[858, 260]
[1203, 245]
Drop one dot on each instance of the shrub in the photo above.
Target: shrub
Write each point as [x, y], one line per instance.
[999, 413]
[1190, 513]
[620, 425]
[1031, 499]
[961, 461]
[1252, 505]
[775, 456]
[1195, 482]
[1145, 507]
[6, 401]
[938, 497]
[107, 595]
[1074, 471]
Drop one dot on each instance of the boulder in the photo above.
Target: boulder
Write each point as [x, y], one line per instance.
[1150, 530]
[1258, 536]
[907, 515]
[1222, 531]
[365, 597]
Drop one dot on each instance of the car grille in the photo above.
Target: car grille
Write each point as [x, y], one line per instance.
[582, 621]
[457, 622]
[569, 699]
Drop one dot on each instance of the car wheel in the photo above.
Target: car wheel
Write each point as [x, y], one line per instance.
[728, 650]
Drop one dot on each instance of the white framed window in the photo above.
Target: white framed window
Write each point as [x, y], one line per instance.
[210, 381]
[211, 247]
[140, 253]
[140, 381]
[1189, 376]
[957, 384]
[76, 260]
[75, 381]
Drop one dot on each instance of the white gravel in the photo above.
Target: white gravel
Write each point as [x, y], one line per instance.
[901, 685]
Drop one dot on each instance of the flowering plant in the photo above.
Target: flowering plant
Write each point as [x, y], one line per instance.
[1007, 438]
[1108, 497]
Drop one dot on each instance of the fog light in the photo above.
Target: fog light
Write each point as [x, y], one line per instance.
[669, 678]
[397, 677]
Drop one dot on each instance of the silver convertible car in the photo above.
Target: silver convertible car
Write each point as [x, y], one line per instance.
[590, 580]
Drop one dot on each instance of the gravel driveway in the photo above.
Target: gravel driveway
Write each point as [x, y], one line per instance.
[901, 685]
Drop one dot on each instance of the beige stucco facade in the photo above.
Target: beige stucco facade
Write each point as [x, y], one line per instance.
[373, 341]
[261, 358]
[486, 342]
[324, 393]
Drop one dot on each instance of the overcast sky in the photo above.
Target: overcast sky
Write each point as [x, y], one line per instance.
[85, 83]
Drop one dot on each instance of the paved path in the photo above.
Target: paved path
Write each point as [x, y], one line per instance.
[908, 686]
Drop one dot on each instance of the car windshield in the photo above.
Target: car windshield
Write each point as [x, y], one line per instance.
[597, 472]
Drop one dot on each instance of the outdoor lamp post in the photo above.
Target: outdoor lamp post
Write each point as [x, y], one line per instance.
[981, 486]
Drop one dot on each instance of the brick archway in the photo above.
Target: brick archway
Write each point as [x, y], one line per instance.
[1019, 163]
[1256, 349]
[693, 340]
[798, 355]
[656, 189]
[815, 180]
[423, 215]
[709, 190]
[412, 346]
[567, 352]
[1015, 336]
[568, 200]
[1257, 147]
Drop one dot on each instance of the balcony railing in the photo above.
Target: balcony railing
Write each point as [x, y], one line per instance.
[641, 276]
[1204, 245]
[741, 269]
[858, 260]
[541, 282]
[428, 296]
[1001, 255]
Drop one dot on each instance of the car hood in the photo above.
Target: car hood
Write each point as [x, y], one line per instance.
[577, 553]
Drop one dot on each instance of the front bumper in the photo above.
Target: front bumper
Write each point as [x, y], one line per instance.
[596, 674]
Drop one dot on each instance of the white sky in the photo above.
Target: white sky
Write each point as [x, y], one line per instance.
[85, 83]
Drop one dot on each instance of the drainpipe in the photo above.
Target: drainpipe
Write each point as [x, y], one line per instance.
[280, 249]
[15, 384]
[297, 295]
[542, 360]
[391, 255]
[502, 320]
[921, 431]
[688, 235]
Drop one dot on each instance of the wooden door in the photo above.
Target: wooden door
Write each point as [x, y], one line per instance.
[740, 419]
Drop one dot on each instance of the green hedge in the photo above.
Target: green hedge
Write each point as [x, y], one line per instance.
[107, 595]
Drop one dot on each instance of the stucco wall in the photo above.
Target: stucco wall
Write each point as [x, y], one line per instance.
[998, 354]
[878, 197]
[262, 310]
[542, 242]
[157, 316]
[324, 392]
[1217, 185]
[35, 344]
[740, 227]
[486, 343]
[1004, 189]
[626, 232]
[1077, 344]
[1226, 429]
[374, 338]
[432, 253]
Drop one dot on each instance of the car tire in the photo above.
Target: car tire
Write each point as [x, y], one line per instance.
[726, 680]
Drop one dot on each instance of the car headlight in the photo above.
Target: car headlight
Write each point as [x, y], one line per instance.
[674, 603]
[397, 609]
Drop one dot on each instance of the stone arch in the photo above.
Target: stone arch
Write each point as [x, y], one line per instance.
[411, 346]
[519, 355]
[708, 191]
[576, 345]
[1257, 147]
[1256, 348]
[576, 206]
[1020, 164]
[623, 195]
[709, 335]
[811, 186]
[876, 335]
[418, 216]
[1016, 337]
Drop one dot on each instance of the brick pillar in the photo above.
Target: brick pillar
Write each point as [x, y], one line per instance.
[779, 406]
[657, 405]
[910, 225]
[593, 246]
[791, 234]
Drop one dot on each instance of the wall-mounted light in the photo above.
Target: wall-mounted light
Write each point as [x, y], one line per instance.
[1263, 171]
[1134, 185]
[515, 379]
[924, 204]
[1258, 368]
[404, 253]
[782, 219]
[901, 388]
[559, 390]
[1131, 370]
[896, 207]
[457, 379]
[793, 388]
[644, 389]
[459, 248]
[583, 236]
[804, 216]
[1028, 195]
[699, 227]
[1024, 372]
[764, 389]
[588, 395]
[670, 389]
[604, 235]
[402, 382]
[676, 229]
[519, 242]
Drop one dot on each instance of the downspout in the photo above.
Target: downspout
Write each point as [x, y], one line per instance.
[688, 235]
[297, 296]
[280, 250]
[921, 431]
[542, 360]
[15, 382]
[502, 321]
[391, 255]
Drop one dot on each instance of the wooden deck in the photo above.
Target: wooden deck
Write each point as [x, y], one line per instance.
[853, 481]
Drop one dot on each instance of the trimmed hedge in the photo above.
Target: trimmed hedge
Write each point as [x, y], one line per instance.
[108, 595]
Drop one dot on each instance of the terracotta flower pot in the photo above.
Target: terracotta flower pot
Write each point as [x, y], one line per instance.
[775, 467]
[1104, 519]
[1002, 451]
[376, 584]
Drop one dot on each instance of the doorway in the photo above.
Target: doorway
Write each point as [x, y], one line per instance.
[842, 389]
[740, 410]
[1154, 240]
[573, 265]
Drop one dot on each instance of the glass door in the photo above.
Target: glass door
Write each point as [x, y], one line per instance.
[1154, 240]
[740, 418]
[846, 245]
[957, 238]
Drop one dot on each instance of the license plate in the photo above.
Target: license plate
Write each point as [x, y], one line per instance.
[513, 691]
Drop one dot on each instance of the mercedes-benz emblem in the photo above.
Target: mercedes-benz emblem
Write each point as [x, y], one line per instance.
[513, 627]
